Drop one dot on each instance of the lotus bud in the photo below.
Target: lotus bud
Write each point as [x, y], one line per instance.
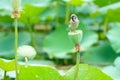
[26, 52]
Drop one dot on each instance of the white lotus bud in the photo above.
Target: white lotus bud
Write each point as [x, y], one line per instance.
[26, 51]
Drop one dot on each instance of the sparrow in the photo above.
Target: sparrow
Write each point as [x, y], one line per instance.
[73, 23]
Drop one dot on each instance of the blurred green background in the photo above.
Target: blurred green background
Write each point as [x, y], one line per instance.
[43, 25]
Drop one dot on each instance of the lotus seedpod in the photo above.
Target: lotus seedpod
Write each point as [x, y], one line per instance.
[75, 36]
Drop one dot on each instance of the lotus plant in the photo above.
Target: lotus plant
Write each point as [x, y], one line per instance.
[75, 36]
[15, 15]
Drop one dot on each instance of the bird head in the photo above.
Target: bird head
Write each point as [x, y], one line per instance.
[74, 17]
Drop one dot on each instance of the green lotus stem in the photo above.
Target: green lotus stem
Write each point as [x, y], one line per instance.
[5, 75]
[105, 24]
[67, 12]
[15, 47]
[26, 61]
[57, 5]
[77, 65]
[76, 37]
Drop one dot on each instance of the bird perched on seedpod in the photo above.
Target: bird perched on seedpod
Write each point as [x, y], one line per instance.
[73, 23]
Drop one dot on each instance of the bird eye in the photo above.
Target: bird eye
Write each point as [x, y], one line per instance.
[73, 18]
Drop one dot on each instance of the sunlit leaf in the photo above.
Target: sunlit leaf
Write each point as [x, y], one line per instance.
[76, 2]
[38, 73]
[7, 65]
[102, 3]
[6, 19]
[30, 14]
[86, 73]
[113, 15]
